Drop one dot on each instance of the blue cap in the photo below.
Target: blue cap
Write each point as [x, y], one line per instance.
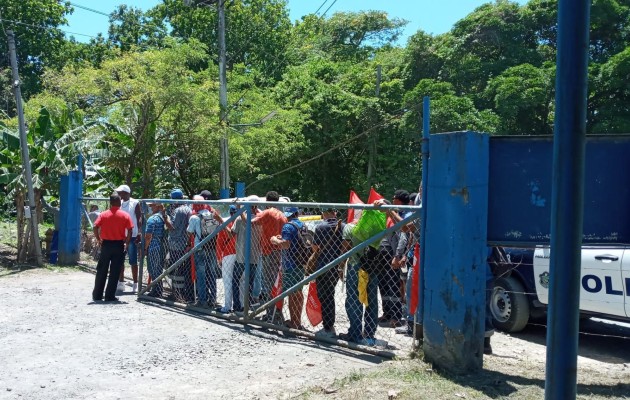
[177, 194]
[232, 208]
[289, 211]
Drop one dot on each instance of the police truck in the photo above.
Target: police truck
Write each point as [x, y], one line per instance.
[521, 286]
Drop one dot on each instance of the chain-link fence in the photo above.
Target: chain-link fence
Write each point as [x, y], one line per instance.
[90, 211]
[297, 267]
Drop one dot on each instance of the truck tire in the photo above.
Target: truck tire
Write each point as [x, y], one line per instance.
[509, 305]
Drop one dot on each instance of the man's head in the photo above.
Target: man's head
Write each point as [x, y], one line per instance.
[198, 206]
[206, 194]
[177, 194]
[272, 196]
[253, 198]
[156, 207]
[329, 213]
[124, 192]
[401, 196]
[233, 209]
[114, 199]
[93, 207]
[291, 212]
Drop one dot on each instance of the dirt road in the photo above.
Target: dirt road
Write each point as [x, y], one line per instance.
[57, 344]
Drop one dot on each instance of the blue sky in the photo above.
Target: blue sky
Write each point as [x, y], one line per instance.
[429, 15]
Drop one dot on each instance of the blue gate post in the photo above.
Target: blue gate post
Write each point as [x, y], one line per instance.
[567, 198]
[239, 189]
[456, 231]
[70, 207]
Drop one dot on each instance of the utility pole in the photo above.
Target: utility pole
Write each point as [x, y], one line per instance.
[372, 138]
[26, 160]
[223, 103]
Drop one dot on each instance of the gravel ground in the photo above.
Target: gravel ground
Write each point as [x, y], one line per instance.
[57, 344]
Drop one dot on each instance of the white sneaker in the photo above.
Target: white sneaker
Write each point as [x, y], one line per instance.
[120, 287]
[134, 288]
[325, 333]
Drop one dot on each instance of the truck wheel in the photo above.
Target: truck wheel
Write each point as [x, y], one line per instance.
[509, 305]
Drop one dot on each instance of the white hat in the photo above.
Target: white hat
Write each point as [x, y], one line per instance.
[123, 188]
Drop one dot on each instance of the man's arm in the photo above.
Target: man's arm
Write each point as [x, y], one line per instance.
[147, 241]
[281, 243]
[217, 216]
[139, 221]
[97, 234]
[128, 239]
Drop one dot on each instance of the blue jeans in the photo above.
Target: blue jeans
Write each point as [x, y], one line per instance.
[362, 322]
[239, 269]
[206, 267]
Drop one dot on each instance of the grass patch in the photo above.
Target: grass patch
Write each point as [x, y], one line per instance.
[415, 379]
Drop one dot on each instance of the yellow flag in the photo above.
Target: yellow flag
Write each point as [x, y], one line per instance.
[364, 278]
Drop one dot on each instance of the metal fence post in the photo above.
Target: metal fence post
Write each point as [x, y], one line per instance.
[456, 251]
[248, 271]
[144, 209]
[567, 198]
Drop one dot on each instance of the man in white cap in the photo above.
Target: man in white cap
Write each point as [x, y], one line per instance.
[132, 207]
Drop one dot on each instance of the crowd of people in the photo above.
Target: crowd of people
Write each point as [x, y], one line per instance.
[377, 278]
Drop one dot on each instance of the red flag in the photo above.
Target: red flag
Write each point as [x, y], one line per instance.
[415, 280]
[277, 289]
[374, 195]
[193, 269]
[313, 306]
[354, 215]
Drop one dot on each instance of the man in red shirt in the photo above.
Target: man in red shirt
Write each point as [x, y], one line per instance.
[272, 220]
[112, 230]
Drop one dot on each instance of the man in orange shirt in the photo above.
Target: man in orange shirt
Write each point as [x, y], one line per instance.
[272, 220]
[112, 230]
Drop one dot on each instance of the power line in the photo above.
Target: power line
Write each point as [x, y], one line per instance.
[89, 9]
[345, 142]
[44, 27]
[333, 3]
[320, 6]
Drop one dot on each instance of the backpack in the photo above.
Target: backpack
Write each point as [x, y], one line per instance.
[208, 226]
[304, 243]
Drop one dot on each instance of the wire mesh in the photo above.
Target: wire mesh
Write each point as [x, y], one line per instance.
[234, 264]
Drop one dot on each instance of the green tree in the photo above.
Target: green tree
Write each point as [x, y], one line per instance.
[131, 27]
[150, 101]
[257, 31]
[39, 42]
[523, 97]
[486, 42]
[609, 102]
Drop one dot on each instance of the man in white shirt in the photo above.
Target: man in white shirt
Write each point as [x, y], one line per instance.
[132, 207]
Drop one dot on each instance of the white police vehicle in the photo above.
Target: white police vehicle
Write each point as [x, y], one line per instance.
[521, 287]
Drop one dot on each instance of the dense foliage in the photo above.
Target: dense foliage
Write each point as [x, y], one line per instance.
[141, 102]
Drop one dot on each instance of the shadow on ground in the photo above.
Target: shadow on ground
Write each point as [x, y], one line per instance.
[601, 340]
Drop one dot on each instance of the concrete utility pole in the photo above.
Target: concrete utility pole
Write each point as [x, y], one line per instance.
[26, 160]
[371, 138]
[223, 103]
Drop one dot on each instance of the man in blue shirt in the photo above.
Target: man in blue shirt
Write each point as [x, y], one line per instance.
[178, 242]
[154, 246]
[292, 270]
[327, 244]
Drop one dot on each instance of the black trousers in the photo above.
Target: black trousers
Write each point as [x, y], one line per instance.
[326, 284]
[112, 259]
[389, 286]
